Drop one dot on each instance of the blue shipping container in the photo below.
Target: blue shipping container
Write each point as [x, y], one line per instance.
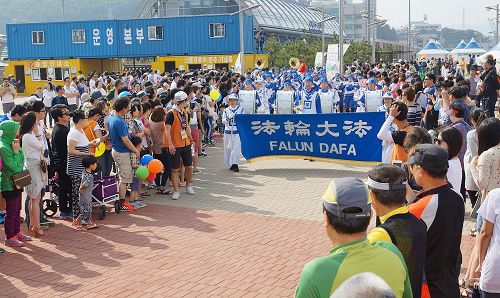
[187, 35]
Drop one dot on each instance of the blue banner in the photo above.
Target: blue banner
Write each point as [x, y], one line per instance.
[346, 136]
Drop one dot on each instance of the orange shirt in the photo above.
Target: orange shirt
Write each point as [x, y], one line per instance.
[89, 132]
[398, 151]
[176, 128]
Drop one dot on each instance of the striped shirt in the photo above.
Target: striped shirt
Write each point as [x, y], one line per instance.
[75, 167]
[414, 114]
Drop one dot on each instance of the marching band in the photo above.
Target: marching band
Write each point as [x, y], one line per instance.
[288, 91]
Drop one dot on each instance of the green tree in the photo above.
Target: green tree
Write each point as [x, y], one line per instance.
[360, 50]
[272, 47]
[303, 48]
[388, 53]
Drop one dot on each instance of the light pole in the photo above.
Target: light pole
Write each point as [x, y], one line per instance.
[242, 42]
[341, 37]
[373, 26]
[322, 23]
[409, 25]
[496, 8]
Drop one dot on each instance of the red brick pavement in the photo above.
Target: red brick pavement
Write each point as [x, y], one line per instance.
[164, 251]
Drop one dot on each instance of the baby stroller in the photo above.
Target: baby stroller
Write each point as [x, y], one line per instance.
[50, 205]
[105, 192]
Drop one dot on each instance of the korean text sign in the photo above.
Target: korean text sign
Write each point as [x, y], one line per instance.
[347, 136]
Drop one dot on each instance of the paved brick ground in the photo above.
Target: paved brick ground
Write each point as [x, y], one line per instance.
[242, 235]
[166, 251]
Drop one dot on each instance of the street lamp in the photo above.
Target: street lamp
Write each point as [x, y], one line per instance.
[322, 23]
[409, 28]
[242, 43]
[341, 37]
[496, 8]
[373, 25]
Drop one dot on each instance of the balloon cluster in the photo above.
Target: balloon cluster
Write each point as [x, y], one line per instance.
[149, 168]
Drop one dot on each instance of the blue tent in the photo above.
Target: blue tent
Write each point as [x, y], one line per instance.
[459, 47]
[432, 50]
[472, 48]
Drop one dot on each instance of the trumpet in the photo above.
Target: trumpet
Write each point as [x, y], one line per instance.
[294, 63]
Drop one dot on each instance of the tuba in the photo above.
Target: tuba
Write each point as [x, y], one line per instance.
[294, 63]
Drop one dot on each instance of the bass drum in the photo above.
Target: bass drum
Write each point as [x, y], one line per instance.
[247, 101]
[327, 102]
[284, 102]
[373, 100]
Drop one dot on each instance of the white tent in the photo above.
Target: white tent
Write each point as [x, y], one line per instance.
[472, 48]
[495, 52]
[460, 46]
[432, 50]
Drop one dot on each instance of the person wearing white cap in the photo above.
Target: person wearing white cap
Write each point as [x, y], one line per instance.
[387, 146]
[179, 141]
[387, 98]
[232, 144]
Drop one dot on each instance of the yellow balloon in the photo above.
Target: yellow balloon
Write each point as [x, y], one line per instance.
[214, 94]
[99, 150]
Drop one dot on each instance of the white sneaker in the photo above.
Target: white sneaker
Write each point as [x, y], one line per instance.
[190, 190]
[176, 195]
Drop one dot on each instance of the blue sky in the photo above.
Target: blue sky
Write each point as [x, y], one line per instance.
[445, 12]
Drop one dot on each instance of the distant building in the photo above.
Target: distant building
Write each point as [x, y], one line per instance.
[425, 31]
[3, 47]
[286, 19]
[355, 26]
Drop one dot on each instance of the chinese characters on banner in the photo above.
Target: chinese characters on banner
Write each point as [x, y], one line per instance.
[348, 136]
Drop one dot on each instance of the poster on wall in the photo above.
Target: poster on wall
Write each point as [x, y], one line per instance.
[73, 69]
[27, 71]
[50, 71]
[35, 74]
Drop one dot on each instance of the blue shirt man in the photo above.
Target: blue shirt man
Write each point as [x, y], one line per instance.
[118, 129]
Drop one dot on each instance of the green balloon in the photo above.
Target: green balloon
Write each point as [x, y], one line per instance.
[142, 172]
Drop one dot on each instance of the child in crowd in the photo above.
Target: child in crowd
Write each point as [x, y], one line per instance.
[134, 187]
[89, 163]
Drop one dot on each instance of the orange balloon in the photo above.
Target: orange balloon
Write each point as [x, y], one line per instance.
[155, 166]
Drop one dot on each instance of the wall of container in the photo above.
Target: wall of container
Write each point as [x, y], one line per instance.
[186, 35]
[168, 63]
[31, 74]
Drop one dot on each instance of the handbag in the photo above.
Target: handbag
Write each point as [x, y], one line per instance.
[473, 213]
[21, 179]
[43, 164]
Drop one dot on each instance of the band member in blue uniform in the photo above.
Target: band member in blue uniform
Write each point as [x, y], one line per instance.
[310, 102]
